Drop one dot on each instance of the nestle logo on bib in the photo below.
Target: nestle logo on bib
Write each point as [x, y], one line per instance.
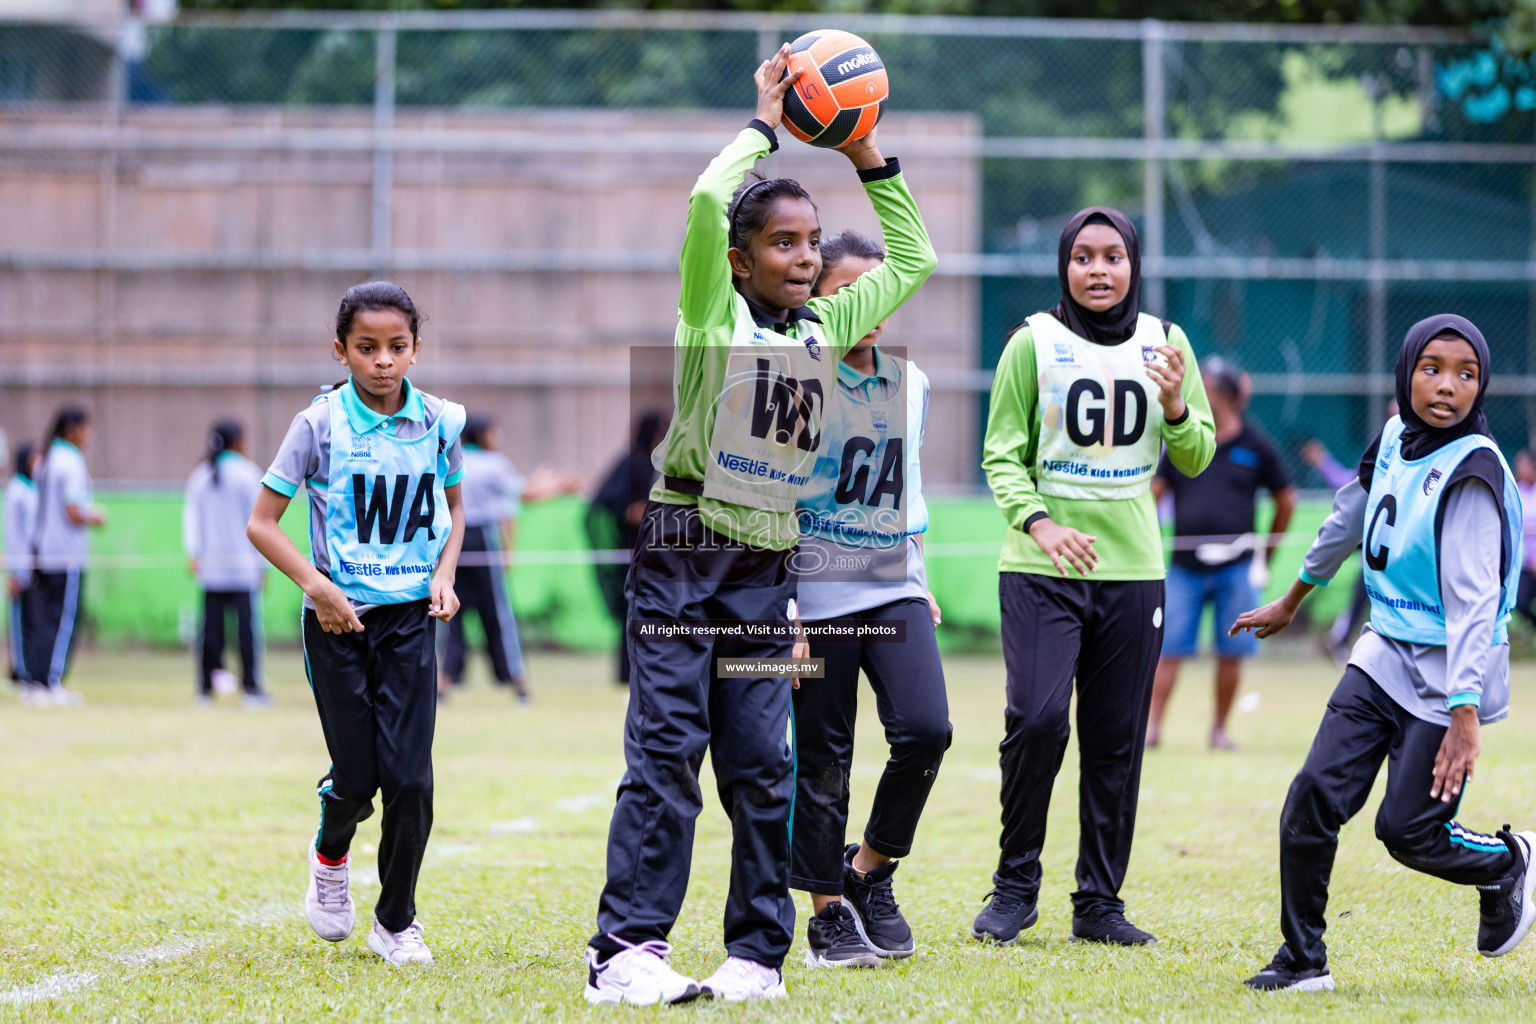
[742, 464]
[1063, 352]
[361, 568]
[362, 447]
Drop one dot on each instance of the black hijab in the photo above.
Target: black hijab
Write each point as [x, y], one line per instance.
[1419, 438]
[1118, 322]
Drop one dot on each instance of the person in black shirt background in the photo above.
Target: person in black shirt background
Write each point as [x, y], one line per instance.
[1215, 551]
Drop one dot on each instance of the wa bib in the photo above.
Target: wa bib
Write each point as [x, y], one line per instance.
[386, 516]
[1101, 427]
[1400, 553]
[770, 414]
[866, 490]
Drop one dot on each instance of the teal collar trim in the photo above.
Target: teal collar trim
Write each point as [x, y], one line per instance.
[59, 442]
[364, 419]
[226, 456]
[470, 447]
[885, 369]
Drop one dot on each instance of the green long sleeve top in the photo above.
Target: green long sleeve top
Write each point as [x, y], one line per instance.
[1129, 543]
[707, 312]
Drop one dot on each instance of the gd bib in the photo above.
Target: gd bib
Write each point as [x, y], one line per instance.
[1101, 427]
[386, 517]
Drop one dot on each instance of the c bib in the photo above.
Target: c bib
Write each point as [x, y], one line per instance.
[1400, 552]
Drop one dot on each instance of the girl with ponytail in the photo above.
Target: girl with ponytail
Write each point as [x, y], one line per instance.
[220, 497]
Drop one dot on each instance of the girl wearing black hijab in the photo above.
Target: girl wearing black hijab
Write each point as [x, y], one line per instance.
[1429, 667]
[1085, 397]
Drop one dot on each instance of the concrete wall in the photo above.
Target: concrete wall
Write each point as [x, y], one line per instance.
[164, 285]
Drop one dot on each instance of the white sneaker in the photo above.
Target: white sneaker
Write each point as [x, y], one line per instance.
[405, 947]
[639, 975]
[738, 979]
[328, 902]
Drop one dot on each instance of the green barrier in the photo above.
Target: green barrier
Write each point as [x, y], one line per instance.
[143, 592]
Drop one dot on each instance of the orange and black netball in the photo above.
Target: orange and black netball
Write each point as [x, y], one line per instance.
[841, 92]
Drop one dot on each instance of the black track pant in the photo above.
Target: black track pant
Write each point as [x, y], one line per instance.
[678, 707]
[1108, 636]
[52, 621]
[376, 692]
[908, 681]
[244, 603]
[15, 634]
[483, 590]
[1362, 727]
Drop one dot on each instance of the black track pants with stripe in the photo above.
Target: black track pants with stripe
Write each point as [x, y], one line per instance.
[1107, 636]
[679, 707]
[376, 692]
[52, 622]
[1362, 727]
[908, 681]
[244, 604]
[483, 590]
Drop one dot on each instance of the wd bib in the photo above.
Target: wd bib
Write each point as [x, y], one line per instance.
[770, 414]
[1101, 427]
[386, 517]
[1400, 553]
[866, 489]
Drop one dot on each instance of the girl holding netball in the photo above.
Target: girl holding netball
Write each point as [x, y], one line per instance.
[1086, 396]
[1430, 667]
[381, 462]
[755, 359]
[864, 507]
[220, 497]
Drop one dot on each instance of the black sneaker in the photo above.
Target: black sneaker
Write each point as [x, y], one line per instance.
[1278, 977]
[1001, 920]
[835, 941]
[1507, 907]
[1109, 927]
[872, 902]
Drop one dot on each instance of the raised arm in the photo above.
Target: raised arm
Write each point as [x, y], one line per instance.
[707, 299]
[851, 312]
[1191, 440]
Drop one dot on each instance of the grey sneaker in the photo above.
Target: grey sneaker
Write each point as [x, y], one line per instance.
[405, 947]
[328, 902]
[1507, 907]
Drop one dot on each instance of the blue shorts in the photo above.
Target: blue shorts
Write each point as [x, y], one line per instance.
[1189, 591]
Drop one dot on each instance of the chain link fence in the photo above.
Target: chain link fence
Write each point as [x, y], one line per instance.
[1303, 194]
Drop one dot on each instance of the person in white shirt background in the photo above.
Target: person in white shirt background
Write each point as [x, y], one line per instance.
[221, 494]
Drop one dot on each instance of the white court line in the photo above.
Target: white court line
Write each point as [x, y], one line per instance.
[51, 987]
[590, 802]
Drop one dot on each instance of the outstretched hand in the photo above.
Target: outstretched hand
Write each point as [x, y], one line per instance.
[1266, 621]
[772, 84]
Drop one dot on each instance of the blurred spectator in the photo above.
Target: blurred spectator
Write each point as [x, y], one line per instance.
[1219, 562]
[20, 528]
[493, 492]
[615, 513]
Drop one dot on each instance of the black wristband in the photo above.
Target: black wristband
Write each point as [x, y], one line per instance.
[1181, 417]
[890, 170]
[762, 126]
[1032, 520]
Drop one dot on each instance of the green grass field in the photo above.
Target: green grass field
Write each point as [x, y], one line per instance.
[151, 868]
